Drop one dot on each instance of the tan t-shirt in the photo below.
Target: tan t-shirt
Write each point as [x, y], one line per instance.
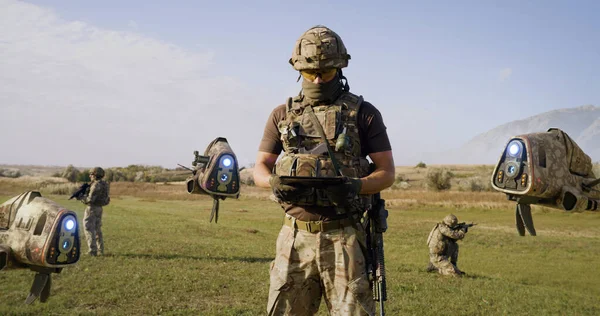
[373, 139]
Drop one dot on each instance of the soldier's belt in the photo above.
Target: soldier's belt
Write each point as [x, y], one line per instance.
[317, 226]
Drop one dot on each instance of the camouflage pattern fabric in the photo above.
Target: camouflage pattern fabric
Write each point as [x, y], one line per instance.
[328, 264]
[209, 170]
[319, 48]
[299, 136]
[98, 194]
[92, 219]
[443, 249]
[555, 162]
[92, 222]
[27, 243]
[308, 266]
[98, 172]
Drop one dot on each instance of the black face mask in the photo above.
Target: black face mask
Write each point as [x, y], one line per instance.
[323, 92]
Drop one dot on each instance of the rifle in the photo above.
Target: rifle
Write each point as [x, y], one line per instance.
[463, 225]
[376, 226]
[80, 192]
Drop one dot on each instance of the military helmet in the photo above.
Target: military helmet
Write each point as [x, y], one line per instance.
[450, 220]
[98, 172]
[319, 48]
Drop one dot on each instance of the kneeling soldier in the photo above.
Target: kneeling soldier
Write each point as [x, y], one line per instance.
[443, 247]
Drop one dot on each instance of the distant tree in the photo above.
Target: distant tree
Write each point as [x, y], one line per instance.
[84, 176]
[70, 173]
[421, 165]
[109, 174]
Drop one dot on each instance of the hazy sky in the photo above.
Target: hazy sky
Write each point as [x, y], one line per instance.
[114, 83]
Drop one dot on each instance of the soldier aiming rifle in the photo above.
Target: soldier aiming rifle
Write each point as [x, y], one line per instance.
[81, 192]
[464, 226]
[443, 246]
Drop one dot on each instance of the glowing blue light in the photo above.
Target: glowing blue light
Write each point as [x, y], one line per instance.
[69, 224]
[66, 244]
[514, 148]
[224, 177]
[227, 161]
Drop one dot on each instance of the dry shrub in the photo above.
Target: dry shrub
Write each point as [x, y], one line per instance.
[157, 191]
[45, 185]
[246, 176]
[465, 199]
[60, 188]
[438, 179]
[400, 183]
[10, 173]
[476, 184]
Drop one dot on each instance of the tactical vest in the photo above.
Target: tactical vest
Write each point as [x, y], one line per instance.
[107, 197]
[304, 155]
[104, 198]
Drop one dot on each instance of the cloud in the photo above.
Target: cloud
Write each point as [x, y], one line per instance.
[505, 74]
[71, 92]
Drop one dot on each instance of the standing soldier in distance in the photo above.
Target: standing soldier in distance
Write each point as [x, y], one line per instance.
[95, 199]
[319, 250]
[443, 246]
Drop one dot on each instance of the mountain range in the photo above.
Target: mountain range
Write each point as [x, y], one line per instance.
[581, 123]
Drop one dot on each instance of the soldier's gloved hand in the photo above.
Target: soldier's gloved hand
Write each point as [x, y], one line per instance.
[341, 194]
[284, 192]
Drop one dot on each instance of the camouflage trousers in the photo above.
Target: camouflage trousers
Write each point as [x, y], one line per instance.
[309, 266]
[92, 223]
[445, 263]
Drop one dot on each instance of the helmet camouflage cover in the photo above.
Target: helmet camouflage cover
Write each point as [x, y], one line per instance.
[97, 171]
[450, 220]
[319, 48]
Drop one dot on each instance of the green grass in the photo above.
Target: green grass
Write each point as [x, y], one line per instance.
[164, 257]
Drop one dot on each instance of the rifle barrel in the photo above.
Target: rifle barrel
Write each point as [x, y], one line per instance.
[381, 305]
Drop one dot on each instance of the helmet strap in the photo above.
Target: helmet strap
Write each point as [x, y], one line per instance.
[346, 87]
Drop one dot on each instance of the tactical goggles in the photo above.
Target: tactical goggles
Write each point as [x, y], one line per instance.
[324, 74]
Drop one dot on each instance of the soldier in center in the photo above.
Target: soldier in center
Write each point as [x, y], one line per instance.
[325, 131]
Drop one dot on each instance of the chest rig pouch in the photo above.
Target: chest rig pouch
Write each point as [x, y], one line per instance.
[306, 155]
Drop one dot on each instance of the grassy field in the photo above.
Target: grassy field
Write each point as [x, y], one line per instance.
[164, 257]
